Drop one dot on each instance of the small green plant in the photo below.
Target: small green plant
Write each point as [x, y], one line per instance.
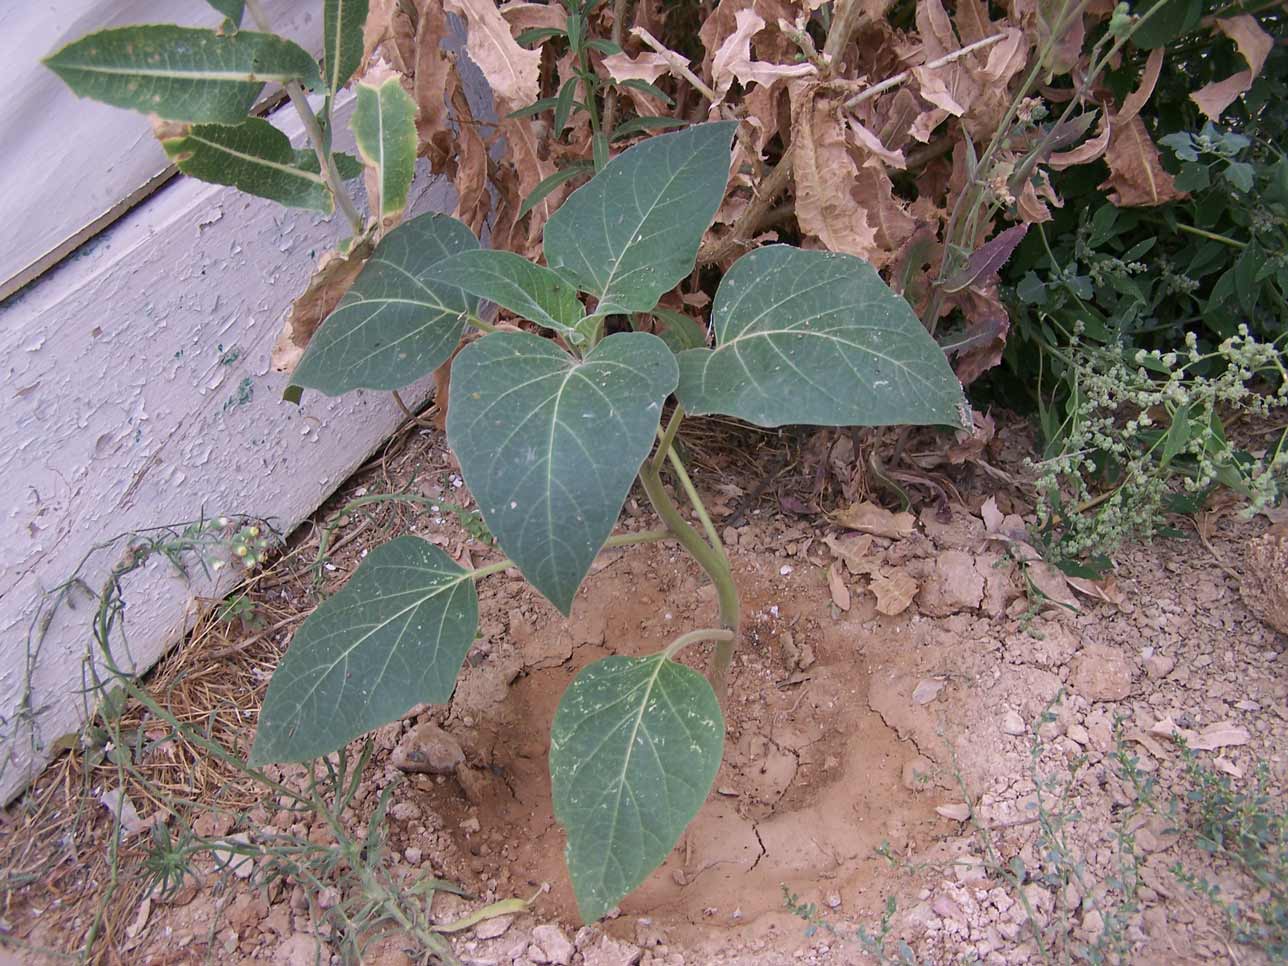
[1245, 830]
[551, 424]
[879, 945]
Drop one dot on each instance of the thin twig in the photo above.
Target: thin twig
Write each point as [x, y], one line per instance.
[678, 65]
[870, 92]
[254, 639]
[610, 99]
[418, 420]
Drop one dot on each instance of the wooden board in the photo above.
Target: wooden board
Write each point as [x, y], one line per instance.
[137, 392]
[70, 162]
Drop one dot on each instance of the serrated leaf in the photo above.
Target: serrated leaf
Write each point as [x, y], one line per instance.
[252, 156]
[395, 635]
[528, 290]
[634, 749]
[550, 445]
[817, 338]
[631, 233]
[393, 326]
[342, 23]
[181, 73]
[384, 126]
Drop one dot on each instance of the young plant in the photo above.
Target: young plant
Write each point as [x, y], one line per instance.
[552, 432]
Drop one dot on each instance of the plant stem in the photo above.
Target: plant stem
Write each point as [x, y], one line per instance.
[610, 98]
[720, 634]
[326, 163]
[1211, 235]
[667, 437]
[698, 507]
[709, 559]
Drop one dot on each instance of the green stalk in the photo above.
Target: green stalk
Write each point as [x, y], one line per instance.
[709, 559]
[616, 540]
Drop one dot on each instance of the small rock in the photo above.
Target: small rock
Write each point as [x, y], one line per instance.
[955, 585]
[945, 908]
[492, 928]
[612, 952]
[1012, 723]
[1159, 666]
[428, 748]
[1263, 587]
[299, 949]
[242, 866]
[1101, 673]
[405, 811]
[470, 824]
[1078, 734]
[1093, 925]
[554, 944]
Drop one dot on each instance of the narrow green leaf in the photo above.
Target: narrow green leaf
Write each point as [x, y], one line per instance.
[181, 73]
[549, 184]
[395, 635]
[253, 157]
[342, 22]
[393, 326]
[512, 282]
[634, 749]
[550, 445]
[384, 125]
[535, 35]
[817, 338]
[631, 233]
[1178, 435]
[564, 103]
[231, 9]
[535, 108]
[606, 47]
[638, 125]
[652, 90]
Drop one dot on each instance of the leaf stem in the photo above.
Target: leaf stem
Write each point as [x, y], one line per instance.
[326, 162]
[667, 436]
[698, 506]
[709, 559]
[720, 634]
[1211, 235]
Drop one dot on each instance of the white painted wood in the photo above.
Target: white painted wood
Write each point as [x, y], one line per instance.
[137, 392]
[68, 160]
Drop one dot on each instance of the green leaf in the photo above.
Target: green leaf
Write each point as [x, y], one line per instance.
[512, 282]
[1241, 175]
[253, 157]
[550, 445]
[384, 126]
[638, 125]
[395, 635]
[231, 9]
[564, 103]
[348, 166]
[1169, 21]
[817, 338]
[680, 331]
[393, 326]
[1178, 435]
[535, 35]
[342, 22]
[549, 184]
[634, 749]
[606, 47]
[631, 233]
[536, 107]
[181, 73]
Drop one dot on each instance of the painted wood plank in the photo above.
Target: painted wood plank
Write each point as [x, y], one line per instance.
[68, 161]
[137, 391]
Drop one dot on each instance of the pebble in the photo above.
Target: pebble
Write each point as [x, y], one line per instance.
[492, 928]
[1012, 723]
[429, 749]
[553, 944]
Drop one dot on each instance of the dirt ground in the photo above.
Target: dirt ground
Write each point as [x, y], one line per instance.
[914, 732]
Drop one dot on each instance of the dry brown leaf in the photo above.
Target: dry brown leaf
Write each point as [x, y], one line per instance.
[894, 592]
[512, 72]
[824, 171]
[867, 517]
[473, 201]
[1135, 173]
[872, 144]
[1051, 583]
[531, 16]
[1105, 589]
[934, 86]
[1086, 152]
[1138, 98]
[853, 552]
[331, 279]
[433, 86]
[991, 515]
[1255, 46]
[936, 30]
[970, 445]
[973, 22]
[525, 149]
[873, 192]
[1223, 734]
[836, 585]
[647, 66]
[733, 59]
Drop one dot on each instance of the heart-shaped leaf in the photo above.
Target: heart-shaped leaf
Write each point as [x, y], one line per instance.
[514, 283]
[631, 233]
[634, 748]
[384, 127]
[342, 23]
[252, 156]
[395, 635]
[817, 338]
[394, 325]
[549, 445]
[181, 73]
